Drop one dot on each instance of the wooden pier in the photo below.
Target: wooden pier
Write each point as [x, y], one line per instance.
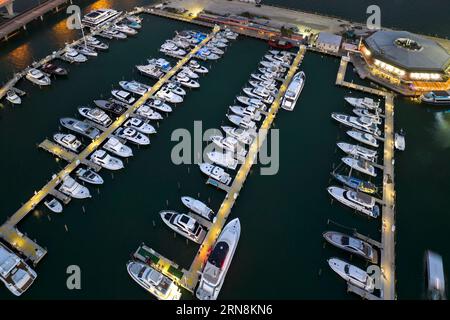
[387, 261]
[8, 230]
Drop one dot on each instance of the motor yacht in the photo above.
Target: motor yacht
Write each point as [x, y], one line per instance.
[197, 67]
[171, 49]
[293, 91]
[37, 77]
[150, 71]
[260, 93]
[268, 84]
[73, 55]
[360, 165]
[125, 29]
[358, 151]
[54, 205]
[135, 87]
[68, 141]
[159, 105]
[357, 184]
[363, 137]
[185, 225]
[73, 189]
[355, 200]
[198, 207]
[116, 147]
[439, 98]
[252, 102]
[12, 97]
[250, 111]
[139, 125]
[230, 144]
[161, 63]
[224, 159]
[244, 122]
[189, 72]
[113, 34]
[399, 141]
[80, 127]
[103, 159]
[184, 80]
[361, 123]
[146, 112]
[110, 106]
[133, 136]
[365, 103]
[215, 172]
[153, 281]
[167, 94]
[16, 275]
[352, 274]
[99, 16]
[176, 88]
[89, 176]
[240, 134]
[264, 76]
[206, 54]
[214, 49]
[351, 244]
[218, 263]
[51, 68]
[96, 44]
[85, 50]
[123, 96]
[97, 115]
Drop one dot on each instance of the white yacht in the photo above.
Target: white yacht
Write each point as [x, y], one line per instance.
[244, 122]
[215, 172]
[159, 105]
[153, 281]
[365, 103]
[219, 261]
[358, 151]
[356, 200]
[135, 87]
[123, 96]
[240, 134]
[14, 272]
[264, 76]
[68, 141]
[12, 97]
[214, 49]
[184, 80]
[360, 165]
[133, 135]
[363, 137]
[54, 205]
[230, 144]
[351, 244]
[148, 113]
[97, 115]
[198, 207]
[180, 43]
[189, 72]
[139, 125]
[270, 85]
[176, 88]
[95, 43]
[224, 159]
[260, 93]
[206, 54]
[352, 274]
[99, 16]
[80, 127]
[103, 159]
[362, 123]
[252, 102]
[171, 49]
[161, 63]
[197, 67]
[37, 77]
[167, 95]
[85, 50]
[113, 34]
[230, 35]
[89, 176]
[73, 55]
[184, 225]
[73, 189]
[293, 91]
[150, 71]
[360, 112]
[399, 141]
[271, 64]
[250, 111]
[116, 147]
[125, 29]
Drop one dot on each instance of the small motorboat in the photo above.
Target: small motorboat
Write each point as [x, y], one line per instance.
[54, 205]
[89, 176]
[12, 97]
[52, 68]
[399, 141]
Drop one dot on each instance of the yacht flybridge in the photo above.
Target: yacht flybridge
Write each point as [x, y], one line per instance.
[217, 173]
[123, 96]
[89, 176]
[37, 77]
[153, 281]
[293, 91]
[111, 106]
[99, 17]
[73, 189]
[197, 67]
[240, 134]
[103, 159]
[116, 147]
[80, 127]
[352, 274]
[68, 141]
[135, 87]
[229, 144]
[97, 115]
[184, 225]
[224, 159]
[366, 103]
[146, 112]
[363, 137]
[168, 95]
[355, 200]
[140, 125]
[358, 151]
[365, 124]
[14, 272]
[351, 244]
[219, 261]
[73, 55]
[133, 136]
[159, 105]
[244, 122]
[250, 111]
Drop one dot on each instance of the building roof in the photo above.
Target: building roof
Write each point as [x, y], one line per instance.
[408, 51]
[329, 38]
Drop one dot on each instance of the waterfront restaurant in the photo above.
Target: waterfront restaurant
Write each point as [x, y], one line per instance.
[407, 60]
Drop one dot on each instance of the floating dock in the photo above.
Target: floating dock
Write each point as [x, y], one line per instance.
[387, 259]
[9, 232]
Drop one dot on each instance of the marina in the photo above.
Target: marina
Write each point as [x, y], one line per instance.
[384, 189]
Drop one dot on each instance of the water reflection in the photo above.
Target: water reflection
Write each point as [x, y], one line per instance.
[20, 57]
[442, 126]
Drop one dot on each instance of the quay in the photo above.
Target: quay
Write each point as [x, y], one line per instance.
[387, 261]
[9, 232]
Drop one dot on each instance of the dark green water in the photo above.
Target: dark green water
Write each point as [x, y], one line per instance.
[282, 216]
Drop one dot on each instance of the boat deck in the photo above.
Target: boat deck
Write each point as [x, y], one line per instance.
[218, 184]
[361, 292]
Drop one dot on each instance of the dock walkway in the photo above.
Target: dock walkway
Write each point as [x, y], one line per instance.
[387, 261]
[8, 230]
